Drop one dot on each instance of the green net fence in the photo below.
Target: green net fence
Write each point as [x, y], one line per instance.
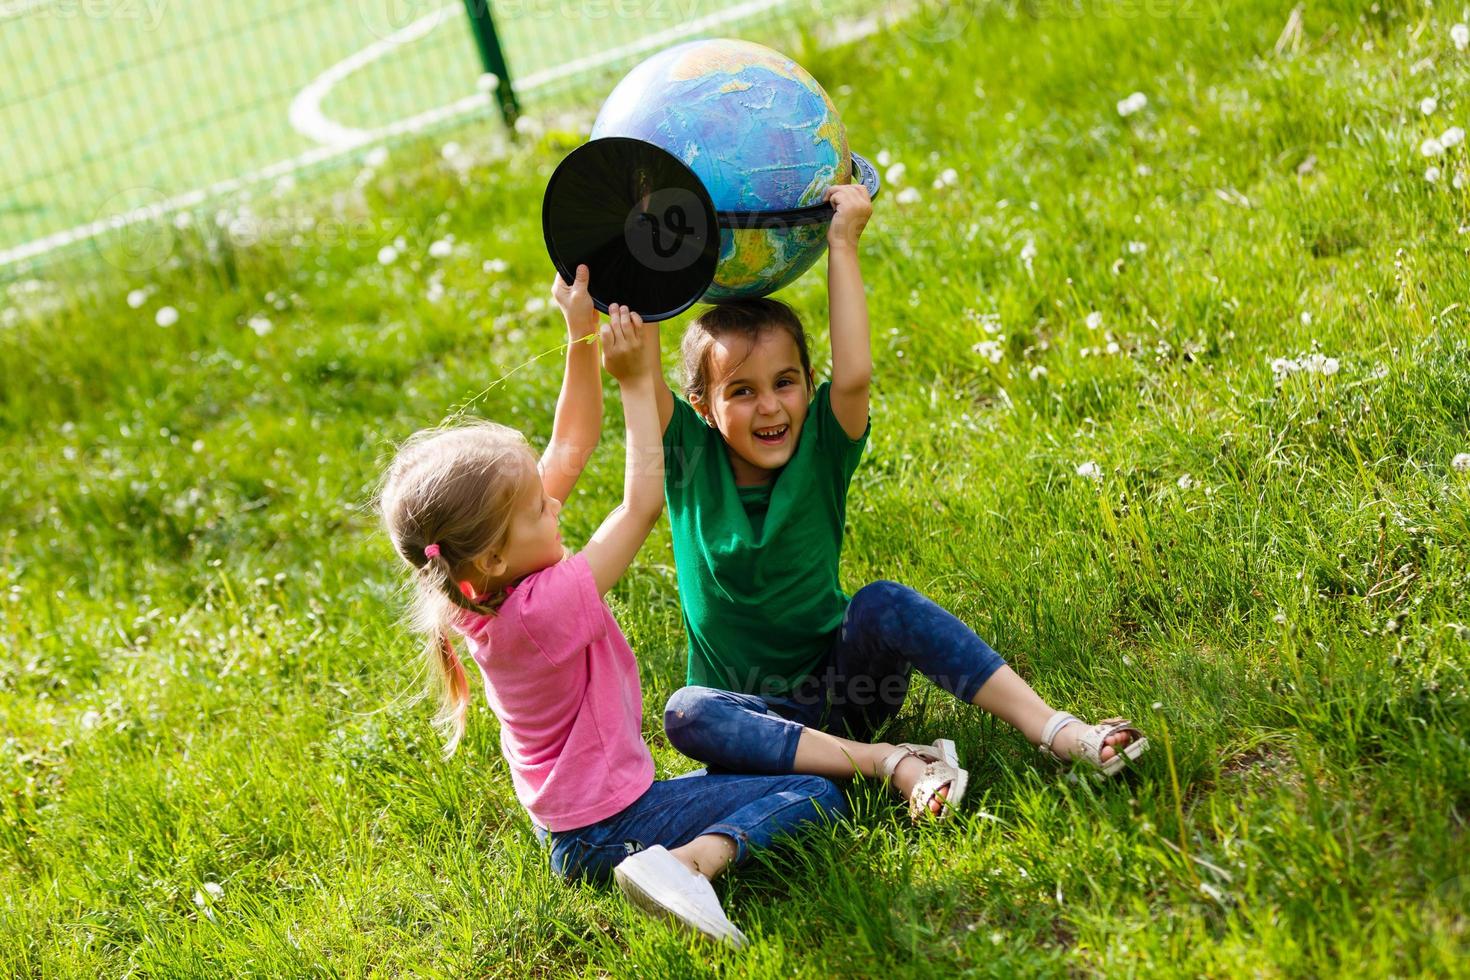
[120, 108]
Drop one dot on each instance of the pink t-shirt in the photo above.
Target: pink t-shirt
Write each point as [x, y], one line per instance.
[564, 684]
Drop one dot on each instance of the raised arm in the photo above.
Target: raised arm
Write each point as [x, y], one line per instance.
[578, 423]
[852, 358]
[630, 354]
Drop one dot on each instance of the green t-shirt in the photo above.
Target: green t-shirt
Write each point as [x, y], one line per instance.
[757, 566]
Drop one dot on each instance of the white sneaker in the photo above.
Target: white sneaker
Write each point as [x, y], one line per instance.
[656, 882]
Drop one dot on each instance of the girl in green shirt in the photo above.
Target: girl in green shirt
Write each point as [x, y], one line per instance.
[786, 672]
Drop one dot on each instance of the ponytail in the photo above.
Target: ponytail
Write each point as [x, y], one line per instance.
[448, 499]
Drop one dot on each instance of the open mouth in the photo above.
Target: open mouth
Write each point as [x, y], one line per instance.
[773, 435]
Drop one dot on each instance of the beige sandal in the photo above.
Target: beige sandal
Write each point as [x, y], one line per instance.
[941, 769]
[1092, 740]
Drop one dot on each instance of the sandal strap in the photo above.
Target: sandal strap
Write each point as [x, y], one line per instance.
[1052, 728]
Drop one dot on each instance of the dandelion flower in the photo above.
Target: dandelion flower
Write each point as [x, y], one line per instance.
[909, 195]
[1329, 366]
[1094, 320]
[1113, 347]
[991, 350]
[1089, 470]
[1185, 482]
[494, 266]
[895, 174]
[1431, 147]
[1453, 136]
[441, 249]
[1037, 373]
[1428, 104]
[214, 888]
[949, 176]
[1133, 103]
[1028, 253]
[1461, 463]
[1306, 319]
[1460, 34]
[1431, 174]
[883, 158]
[1137, 248]
[387, 255]
[137, 298]
[261, 325]
[535, 304]
[166, 316]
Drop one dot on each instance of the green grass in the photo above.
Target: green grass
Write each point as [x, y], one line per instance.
[122, 104]
[203, 679]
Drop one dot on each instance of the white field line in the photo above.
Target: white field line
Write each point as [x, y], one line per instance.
[306, 114]
[356, 139]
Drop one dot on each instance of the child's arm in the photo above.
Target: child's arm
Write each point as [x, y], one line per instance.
[578, 423]
[630, 353]
[852, 360]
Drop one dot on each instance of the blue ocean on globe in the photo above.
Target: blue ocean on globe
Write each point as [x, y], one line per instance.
[758, 131]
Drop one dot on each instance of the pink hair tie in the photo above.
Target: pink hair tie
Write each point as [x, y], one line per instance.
[432, 551]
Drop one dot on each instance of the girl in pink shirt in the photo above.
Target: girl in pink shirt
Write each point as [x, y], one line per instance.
[474, 513]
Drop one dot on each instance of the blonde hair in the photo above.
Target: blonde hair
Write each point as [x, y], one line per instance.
[448, 499]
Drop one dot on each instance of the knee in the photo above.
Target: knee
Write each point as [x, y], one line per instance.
[688, 715]
[877, 597]
[826, 795]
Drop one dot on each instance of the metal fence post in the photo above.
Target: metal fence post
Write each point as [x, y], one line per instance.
[493, 58]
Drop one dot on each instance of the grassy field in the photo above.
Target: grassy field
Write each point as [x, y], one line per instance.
[1167, 406]
[120, 104]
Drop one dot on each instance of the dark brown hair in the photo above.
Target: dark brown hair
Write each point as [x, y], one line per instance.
[747, 318]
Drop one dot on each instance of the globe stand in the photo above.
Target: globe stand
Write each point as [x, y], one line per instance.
[645, 225]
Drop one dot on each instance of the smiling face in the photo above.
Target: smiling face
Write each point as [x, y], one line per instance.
[757, 396]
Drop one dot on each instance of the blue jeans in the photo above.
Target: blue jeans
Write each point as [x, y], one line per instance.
[750, 810]
[888, 630]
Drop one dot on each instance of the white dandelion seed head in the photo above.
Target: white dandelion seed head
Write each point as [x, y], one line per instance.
[1431, 147]
[1094, 320]
[1461, 463]
[895, 174]
[1037, 373]
[1185, 482]
[535, 304]
[1329, 366]
[949, 176]
[214, 888]
[1460, 34]
[387, 255]
[1089, 470]
[1306, 318]
[1137, 248]
[137, 298]
[1143, 170]
[166, 316]
[1453, 136]
[441, 249]
[261, 325]
[494, 266]
[1135, 102]
[1428, 104]
[1431, 174]
[1113, 347]
[909, 195]
[1459, 180]
[883, 159]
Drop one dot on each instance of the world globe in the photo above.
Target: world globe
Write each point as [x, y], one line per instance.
[761, 135]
